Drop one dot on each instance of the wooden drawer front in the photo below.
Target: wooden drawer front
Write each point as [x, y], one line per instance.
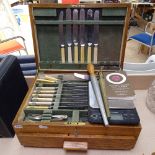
[81, 130]
[94, 142]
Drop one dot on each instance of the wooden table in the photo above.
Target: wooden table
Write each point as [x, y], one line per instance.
[144, 146]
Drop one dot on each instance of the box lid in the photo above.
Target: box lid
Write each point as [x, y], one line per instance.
[68, 37]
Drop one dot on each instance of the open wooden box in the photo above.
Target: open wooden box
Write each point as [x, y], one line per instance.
[45, 21]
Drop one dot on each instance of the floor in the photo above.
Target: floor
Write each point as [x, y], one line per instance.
[132, 53]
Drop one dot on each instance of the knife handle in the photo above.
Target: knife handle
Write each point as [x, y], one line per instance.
[62, 54]
[95, 53]
[82, 54]
[39, 103]
[90, 68]
[44, 80]
[42, 95]
[42, 99]
[37, 107]
[69, 54]
[75, 53]
[89, 54]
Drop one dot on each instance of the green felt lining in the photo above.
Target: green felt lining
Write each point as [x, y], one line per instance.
[44, 12]
[114, 12]
[88, 22]
[47, 23]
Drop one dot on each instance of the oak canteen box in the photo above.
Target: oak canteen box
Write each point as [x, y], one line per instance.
[66, 39]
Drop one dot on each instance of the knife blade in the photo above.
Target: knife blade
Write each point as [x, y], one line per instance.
[89, 35]
[82, 35]
[75, 35]
[96, 36]
[69, 35]
[61, 37]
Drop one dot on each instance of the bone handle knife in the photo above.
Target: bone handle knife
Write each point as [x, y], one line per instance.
[61, 37]
[69, 39]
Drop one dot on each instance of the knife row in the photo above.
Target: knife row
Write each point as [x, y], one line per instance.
[72, 95]
[78, 41]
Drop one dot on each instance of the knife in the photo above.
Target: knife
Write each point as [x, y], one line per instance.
[61, 38]
[82, 35]
[69, 35]
[89, 35]
[96, 36]
[75, 35]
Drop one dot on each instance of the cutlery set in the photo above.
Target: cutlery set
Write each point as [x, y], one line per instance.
[80, 36]
[62, 95]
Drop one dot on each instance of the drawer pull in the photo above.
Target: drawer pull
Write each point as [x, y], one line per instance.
[75, 146]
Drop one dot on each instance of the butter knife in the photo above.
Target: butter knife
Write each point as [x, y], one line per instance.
[89, 35]
[69, 35]
[82, 36]
[75, 35]
[96, 36]
[61, 38]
